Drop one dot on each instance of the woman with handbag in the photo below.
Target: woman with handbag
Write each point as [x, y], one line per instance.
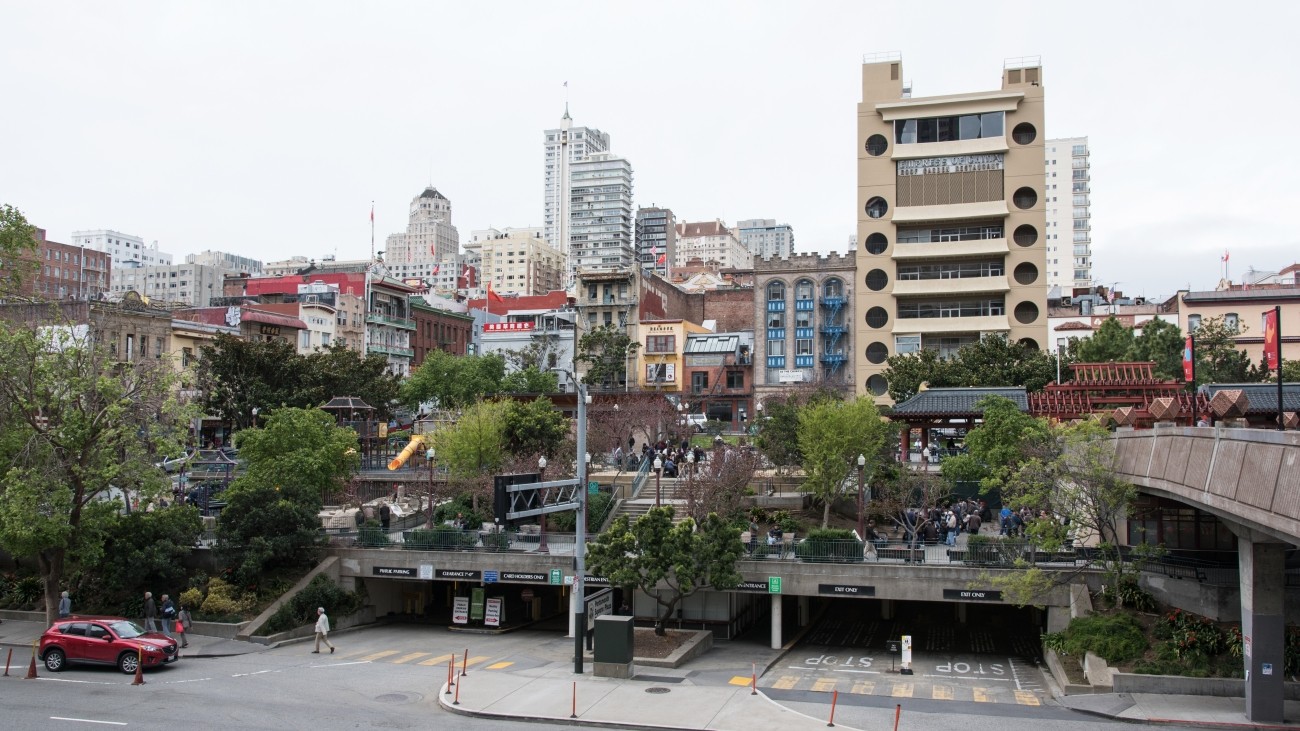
[183, 625]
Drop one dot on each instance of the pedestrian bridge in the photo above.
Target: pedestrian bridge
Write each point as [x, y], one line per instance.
[1247, 477]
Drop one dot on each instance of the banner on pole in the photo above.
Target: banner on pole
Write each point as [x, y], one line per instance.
[1272, 341]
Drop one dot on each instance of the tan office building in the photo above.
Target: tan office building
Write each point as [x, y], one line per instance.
[951, 218]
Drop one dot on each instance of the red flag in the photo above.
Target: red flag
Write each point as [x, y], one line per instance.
[1225, 256]
[1272, 343]
[436, 268]
[662, 258]
[493, 296]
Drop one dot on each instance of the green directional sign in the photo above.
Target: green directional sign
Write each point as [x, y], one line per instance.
[774, 585]
[557, 576]
[593, 487]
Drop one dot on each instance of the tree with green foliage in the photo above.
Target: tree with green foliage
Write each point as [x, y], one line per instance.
[337, 370]
[77, 428]
[1161, 342]
[271, 519]
[475, 445]
[530, 380]
[17, 248]
[238, 375]
[832, 434]
[1113, 341]
[990, 361]
[606, 351]
[667, 562]
[1005, 437]
[534, 427]
[777, 424]
[1218, 359]
[144, 548]
[454, 381]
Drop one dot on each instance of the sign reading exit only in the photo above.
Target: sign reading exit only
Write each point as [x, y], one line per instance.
[774, 585]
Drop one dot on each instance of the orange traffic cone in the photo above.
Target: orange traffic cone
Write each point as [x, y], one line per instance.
[139, 670]
[31, 669]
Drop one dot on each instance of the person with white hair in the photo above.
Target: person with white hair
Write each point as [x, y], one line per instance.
[65, 605]
[322, 631]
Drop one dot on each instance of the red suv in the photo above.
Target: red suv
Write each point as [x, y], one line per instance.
[104, 641]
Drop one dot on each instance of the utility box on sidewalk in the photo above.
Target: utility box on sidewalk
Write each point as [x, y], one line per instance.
[615, 638]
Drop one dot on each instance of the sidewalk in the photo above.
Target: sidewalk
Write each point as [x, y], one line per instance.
[1198, 710]
[21, 636]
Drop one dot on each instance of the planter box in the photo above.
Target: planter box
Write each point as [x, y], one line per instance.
[701, 643]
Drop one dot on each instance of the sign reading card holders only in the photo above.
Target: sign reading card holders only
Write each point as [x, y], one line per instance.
[973, 595]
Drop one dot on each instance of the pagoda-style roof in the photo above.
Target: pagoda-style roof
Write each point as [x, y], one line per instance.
[347, 403]
[1262, 396]
[957, 402]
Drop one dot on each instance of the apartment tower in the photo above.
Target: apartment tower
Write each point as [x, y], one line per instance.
[951, 217]
[565, 146]
[1069, 214]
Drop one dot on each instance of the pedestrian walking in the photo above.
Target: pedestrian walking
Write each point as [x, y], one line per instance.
[168, 615]
[322, 631]
[150, 613]
[385, 515]
[183, 625]
[65, 605]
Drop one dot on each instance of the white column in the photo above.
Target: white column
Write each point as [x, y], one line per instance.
[776, 621]
[573, 610]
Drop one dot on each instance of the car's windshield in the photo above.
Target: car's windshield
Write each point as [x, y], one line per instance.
[127, 629]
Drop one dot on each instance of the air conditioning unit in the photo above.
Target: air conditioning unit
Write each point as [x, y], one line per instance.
[1066, 301]
[1140, 301]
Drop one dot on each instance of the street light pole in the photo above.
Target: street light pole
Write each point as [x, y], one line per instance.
[430, 457]
[862, 526]
[541, 534]
[580, 540]
[658, 465]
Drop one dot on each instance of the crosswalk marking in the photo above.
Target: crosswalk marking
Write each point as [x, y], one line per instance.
[499, 665]
[1026, 698]
[408, 658]
[941, 692]
[439, 660]
[863, 687]
[901, 690]
[473, 660]
[824, 685]
[378, 655]
[786, 682]
[981, 695]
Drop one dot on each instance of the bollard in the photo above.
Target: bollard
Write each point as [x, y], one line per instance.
[753, 678]
[464, 663]
[451, 675]
[573, 713]
[455, 701]
[898, 711]
[835, 694]
[7, 659]
[139, 669]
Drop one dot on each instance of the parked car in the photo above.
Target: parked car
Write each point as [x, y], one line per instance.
[104, 641]
[696, 422]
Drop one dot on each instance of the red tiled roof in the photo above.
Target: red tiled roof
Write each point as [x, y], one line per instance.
[1074, 325]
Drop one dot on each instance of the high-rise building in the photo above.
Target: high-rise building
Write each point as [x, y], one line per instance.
[601, 220]
[712, 243]
[429, 239]
[565, 146]
[224, 260]
[765, 239]
[188, 285]
[951, 217]
[1069, 214]
[126, 250]
[517, 261]
[656, 239]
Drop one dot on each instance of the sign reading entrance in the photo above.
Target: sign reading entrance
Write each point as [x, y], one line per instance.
[973, 595]
[846, 590]
[394, 571]
[460, 610]
[458, 574]
[758, 586]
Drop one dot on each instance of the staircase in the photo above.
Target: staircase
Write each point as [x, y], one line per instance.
[640, 505]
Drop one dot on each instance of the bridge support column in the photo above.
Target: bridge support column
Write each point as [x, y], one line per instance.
[803, 611]
[1263, 595]
[886, 608]
[776, 621]
[1058, 618]
[573, 612]
[959, 609]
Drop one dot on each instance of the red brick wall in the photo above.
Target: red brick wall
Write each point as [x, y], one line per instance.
[732, 308]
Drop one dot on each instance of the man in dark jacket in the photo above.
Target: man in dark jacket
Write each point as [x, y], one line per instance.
[150, 613]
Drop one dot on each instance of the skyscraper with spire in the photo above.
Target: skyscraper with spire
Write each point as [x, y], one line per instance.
[429, 240]
[565, 146]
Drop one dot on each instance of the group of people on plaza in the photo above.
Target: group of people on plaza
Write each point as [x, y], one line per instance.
[937, 524]
[164, 616]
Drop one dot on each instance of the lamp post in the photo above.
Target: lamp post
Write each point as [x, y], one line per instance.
[429, 455]
[580, 538]
[862, 526]
[541, 535]
[658, 465]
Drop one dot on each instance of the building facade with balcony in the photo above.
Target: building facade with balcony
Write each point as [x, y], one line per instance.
[602, 223]
[438, 329]
[656, 239]
[64, 271]
[719, 375]
[516, 261]
[659, 361]
[803, 310]
[951, 218]
[547, 338]
[1068, 189]
[564, 146]
[711, 242]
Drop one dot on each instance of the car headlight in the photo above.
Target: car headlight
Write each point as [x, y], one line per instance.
[150, 648]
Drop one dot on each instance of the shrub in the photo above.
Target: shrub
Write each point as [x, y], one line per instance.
[192, 598]
[1131, 595]
[831, 545]
[300, 610]
[223, 600]
[441, 538]
[597, 508]
[1116, 638]
[26, 591]
[372, 536]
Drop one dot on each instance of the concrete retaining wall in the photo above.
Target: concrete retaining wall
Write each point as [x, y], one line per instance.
[1056, 665]
[701, 643]
[329, 566]
[1099, 673]
[1178, 685]
[365, 616]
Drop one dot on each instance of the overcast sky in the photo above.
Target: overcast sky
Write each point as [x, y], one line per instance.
[266, 129]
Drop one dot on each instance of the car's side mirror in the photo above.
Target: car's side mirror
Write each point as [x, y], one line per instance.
[108, 638]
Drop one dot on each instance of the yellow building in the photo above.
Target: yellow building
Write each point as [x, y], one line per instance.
[659, 359]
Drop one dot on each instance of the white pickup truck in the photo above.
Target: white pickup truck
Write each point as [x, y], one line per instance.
[695, 421]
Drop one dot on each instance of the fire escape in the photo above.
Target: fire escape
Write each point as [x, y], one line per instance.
[833, 329]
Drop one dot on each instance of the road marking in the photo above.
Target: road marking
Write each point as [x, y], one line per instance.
[506, 664]
[379, 655]
[70, 680]
[340, 664]
[87, 720]
[901, 690]
[439, 660]
[860, 672]
[259, 672]
[736, 680]
[941, 692]
[408, 658]
[1026, 698]
[863, 687]
[474, 660]
[984, 678]
[824, 685]
[786, 682]
[981, 695]
[1014, 675]
[192, 680]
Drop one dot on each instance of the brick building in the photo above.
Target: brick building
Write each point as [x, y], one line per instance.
[64, 271]
[438, 329]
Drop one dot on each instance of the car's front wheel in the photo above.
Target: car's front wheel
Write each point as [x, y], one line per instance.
[128, 663]
[55, 660]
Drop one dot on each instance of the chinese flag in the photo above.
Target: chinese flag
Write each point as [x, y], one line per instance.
[662, 259]
[1272, 343]
[493, 296]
